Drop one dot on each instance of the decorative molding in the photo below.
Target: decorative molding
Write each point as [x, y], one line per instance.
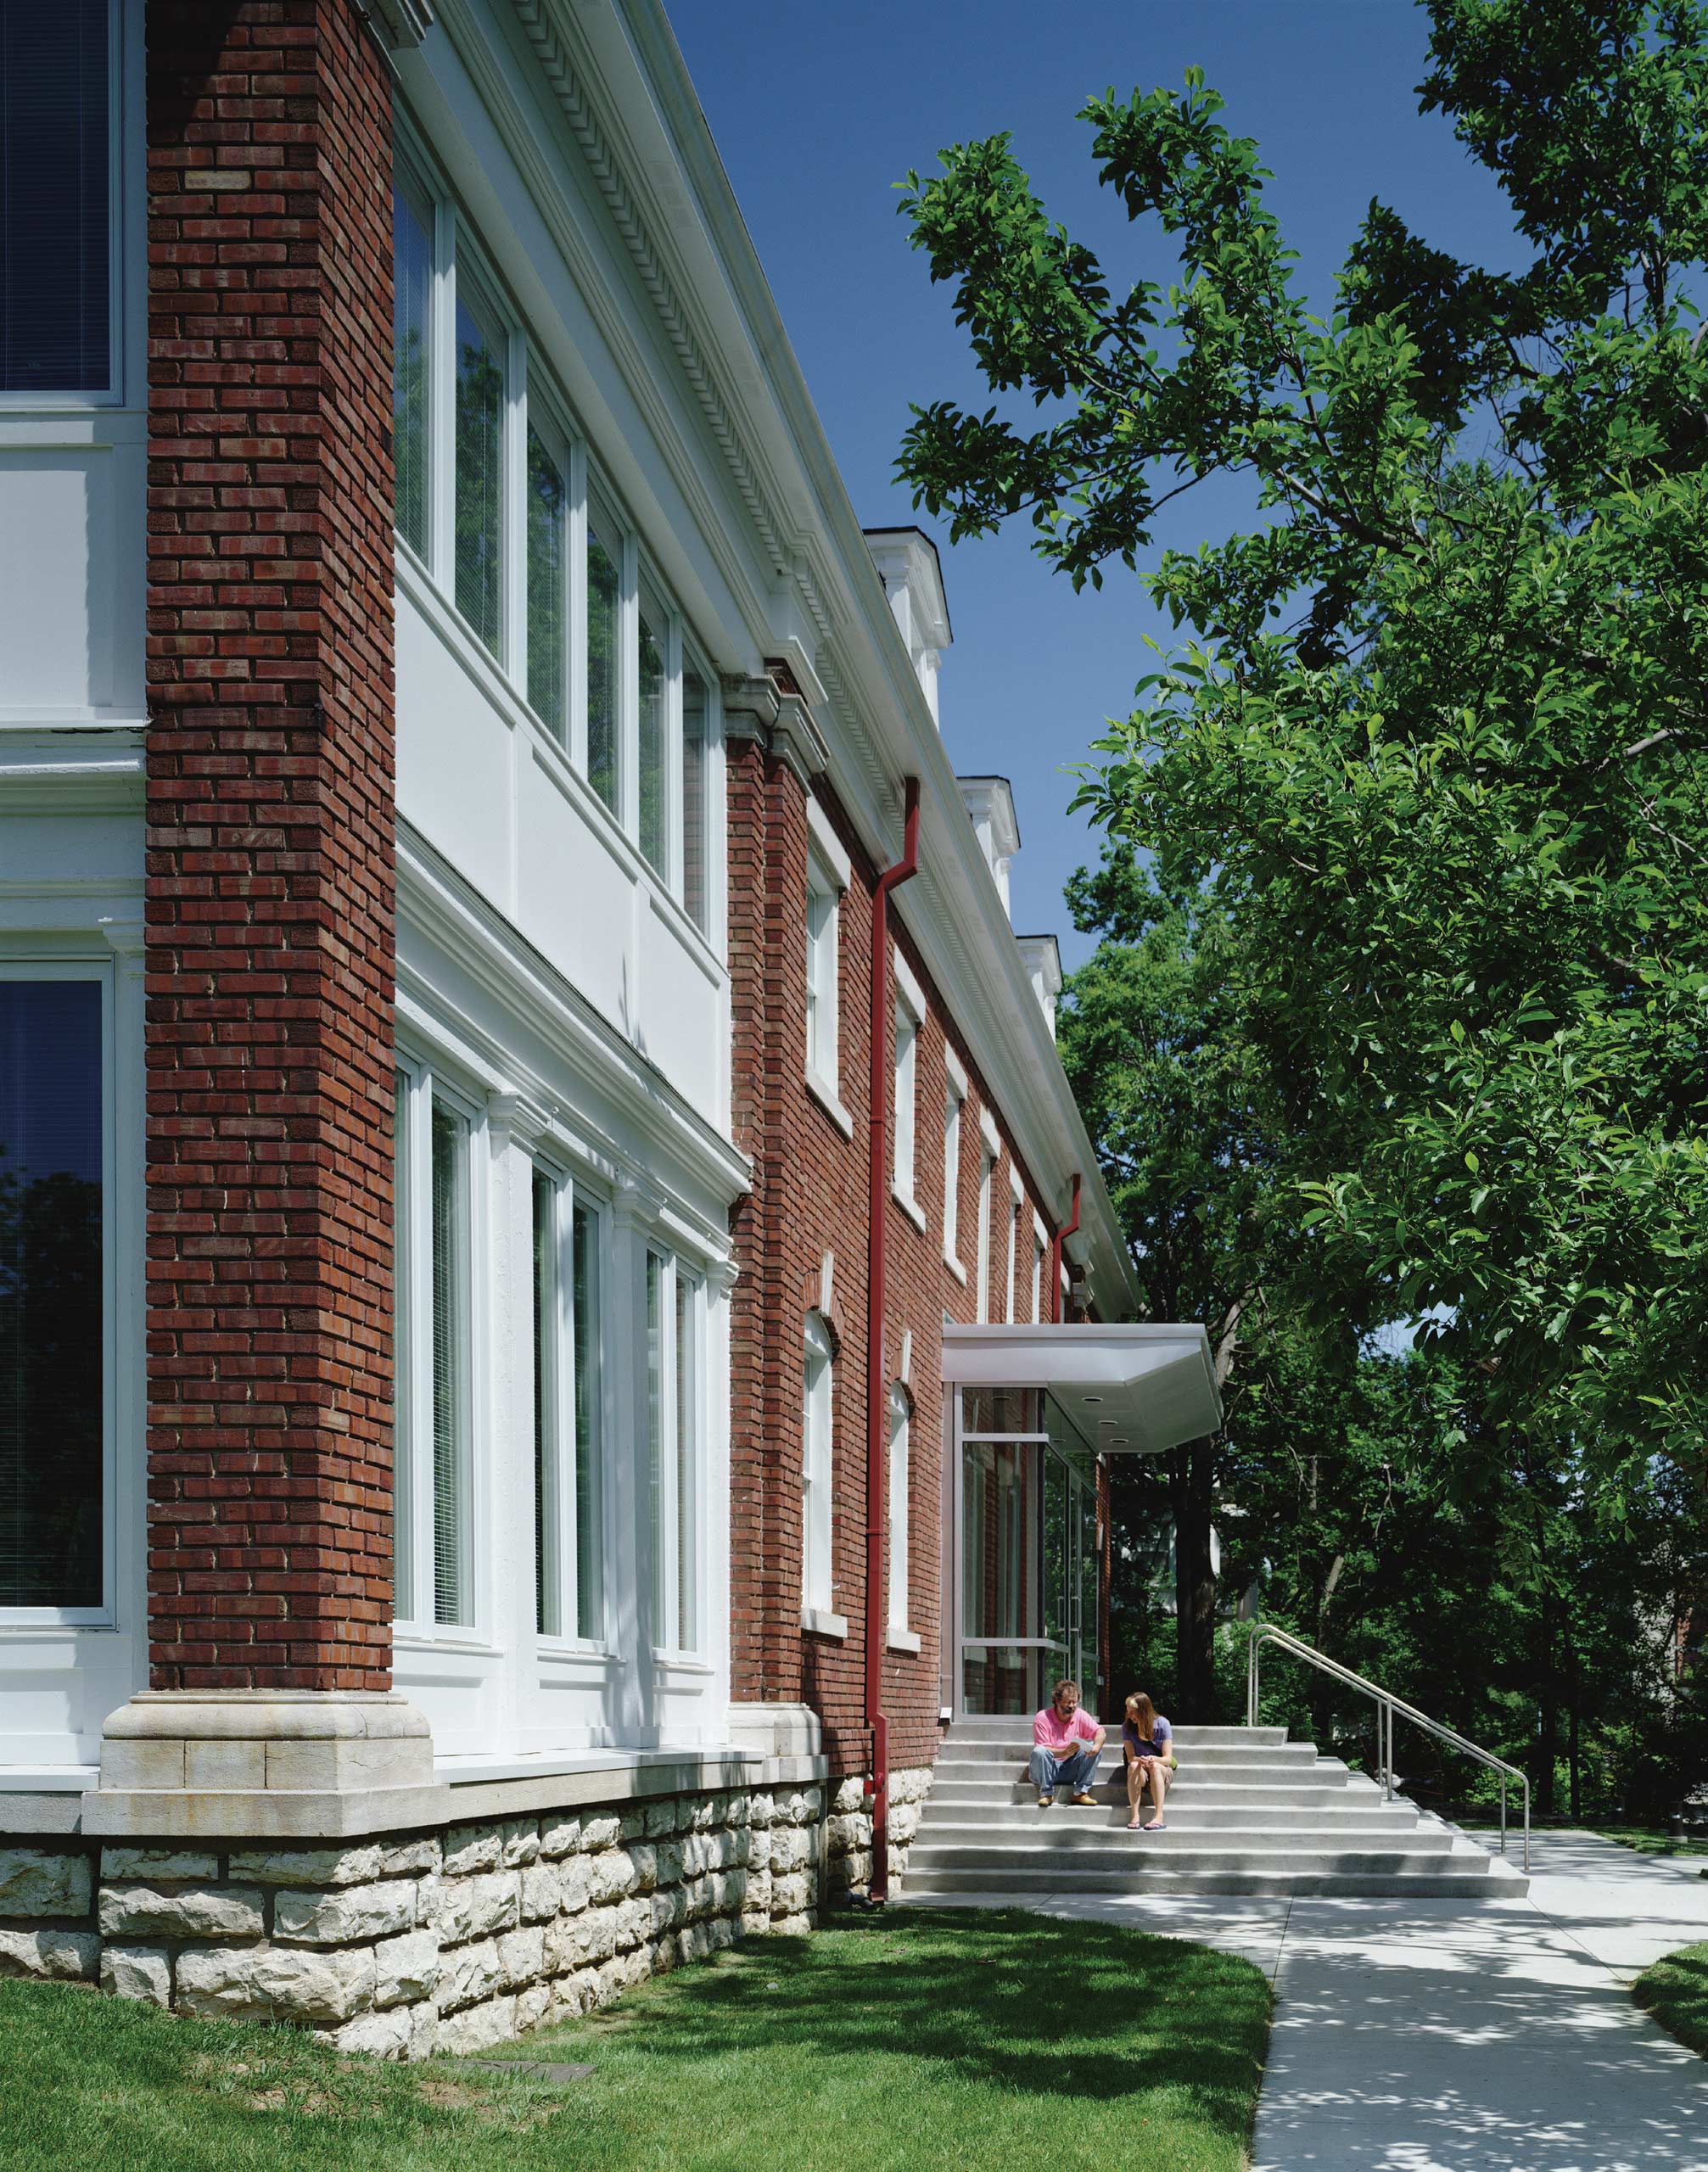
[513, 1118]
[398, 23]
[128, 939]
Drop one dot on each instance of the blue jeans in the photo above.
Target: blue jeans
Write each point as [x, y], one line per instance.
[1049, 1771]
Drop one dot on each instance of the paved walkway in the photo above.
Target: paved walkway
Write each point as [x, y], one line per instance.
[1435, 2035]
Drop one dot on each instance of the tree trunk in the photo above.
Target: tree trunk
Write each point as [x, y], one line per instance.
[1191, 1474]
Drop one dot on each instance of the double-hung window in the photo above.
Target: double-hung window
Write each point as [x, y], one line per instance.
[58, 197]
[55, 1375]
[567, 1348]
[909, 1017]
[817, 1594]
[497, 497]
[900, 1411]
[828, 872]
[434, 1458]
[675, 1435]
[955, 1100]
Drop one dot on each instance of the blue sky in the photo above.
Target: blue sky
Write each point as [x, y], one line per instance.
[818, 111]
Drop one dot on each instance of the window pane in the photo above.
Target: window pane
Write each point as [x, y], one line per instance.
[604, 648]
[449, 1366]
[687, 1436]
[694, 897]
[906, 1033]
[589, 1612]
[951, 1175]
[403, 1426]
[412, 297]
[897, 1510]
[479, 476]
[655, 753]
[55, 203]
[52, 1296]
[655, 1442]
[548, 1611]
[548, 614]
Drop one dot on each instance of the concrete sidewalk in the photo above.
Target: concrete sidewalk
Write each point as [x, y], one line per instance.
[1435, 2035]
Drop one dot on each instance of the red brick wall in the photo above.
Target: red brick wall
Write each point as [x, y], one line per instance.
[811, 1196]
[270, 885]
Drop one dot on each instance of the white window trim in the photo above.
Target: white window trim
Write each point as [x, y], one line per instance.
[124, 68]
[569, 1193]
[910, 998]
[32, 965]
[413, 1427]
[670, 1642]
[829, 874]
[818, 1471]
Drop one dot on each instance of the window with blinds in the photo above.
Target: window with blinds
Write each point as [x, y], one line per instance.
[56, 196]
[566, 1406]
[451, 1399]
[53, 1316]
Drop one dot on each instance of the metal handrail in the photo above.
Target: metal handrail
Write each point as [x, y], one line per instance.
[1386, 1704]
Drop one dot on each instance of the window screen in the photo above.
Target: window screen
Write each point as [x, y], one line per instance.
[51, 1313]
[55, 197]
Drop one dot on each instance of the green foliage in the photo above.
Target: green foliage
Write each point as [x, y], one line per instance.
[1435, 749]
[1674, 1989]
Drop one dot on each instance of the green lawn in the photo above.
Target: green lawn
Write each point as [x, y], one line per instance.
[1649, 1840]
[1675, 1990]
[982, 2040]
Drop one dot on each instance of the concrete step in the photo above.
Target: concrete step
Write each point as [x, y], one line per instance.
[1394, 1880]
[1004, 1730]
[1356, 1793]
[945, 1809]
[1103, 1843]
[1279, 1757]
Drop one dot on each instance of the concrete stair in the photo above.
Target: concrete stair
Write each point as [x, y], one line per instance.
[1249, 1812]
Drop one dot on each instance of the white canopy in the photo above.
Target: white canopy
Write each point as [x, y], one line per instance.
[1133, 1390]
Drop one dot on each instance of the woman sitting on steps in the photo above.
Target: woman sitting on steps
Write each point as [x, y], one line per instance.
[1148, 1742]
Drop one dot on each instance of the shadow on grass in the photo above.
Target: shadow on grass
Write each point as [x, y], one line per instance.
[1673, 1990]
[1087, 2011]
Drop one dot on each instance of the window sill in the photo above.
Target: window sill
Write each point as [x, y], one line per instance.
[903, 1640]
[955, 1268]
[829, 1101]
[910, 1206]
[817, 1622]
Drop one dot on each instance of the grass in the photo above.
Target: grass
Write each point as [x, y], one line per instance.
[1651, 1840]
[933, 2041]
[1675, 1990]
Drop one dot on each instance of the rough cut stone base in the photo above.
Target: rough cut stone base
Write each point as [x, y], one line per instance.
[405, 1945]
[848, 1830]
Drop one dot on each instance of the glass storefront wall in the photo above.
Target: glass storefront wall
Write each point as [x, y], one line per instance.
[1028, 1527]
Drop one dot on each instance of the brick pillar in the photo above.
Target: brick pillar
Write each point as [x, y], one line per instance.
[270, 881]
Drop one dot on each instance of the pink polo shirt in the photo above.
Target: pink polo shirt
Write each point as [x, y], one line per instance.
[1049, 1731]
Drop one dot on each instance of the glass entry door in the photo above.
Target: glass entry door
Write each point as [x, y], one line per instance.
[1026, 1525]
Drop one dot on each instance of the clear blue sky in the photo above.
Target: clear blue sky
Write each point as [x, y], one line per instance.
[819, 111]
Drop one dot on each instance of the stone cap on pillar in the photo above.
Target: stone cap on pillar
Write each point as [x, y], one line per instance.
[264, 1764]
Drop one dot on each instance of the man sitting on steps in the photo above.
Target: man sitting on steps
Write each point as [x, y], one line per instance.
[1065, 1745]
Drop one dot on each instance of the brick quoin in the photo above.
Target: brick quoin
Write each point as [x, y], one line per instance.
[811, 1196]
[271, 882]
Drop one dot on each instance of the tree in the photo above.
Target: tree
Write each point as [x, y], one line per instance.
[1435, 745]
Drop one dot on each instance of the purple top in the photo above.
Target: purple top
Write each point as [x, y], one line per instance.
[1157, 1746]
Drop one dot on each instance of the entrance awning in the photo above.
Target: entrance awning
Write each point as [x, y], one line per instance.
[1131, 1390]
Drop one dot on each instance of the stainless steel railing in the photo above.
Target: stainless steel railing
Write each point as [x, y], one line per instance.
[1386, 1704]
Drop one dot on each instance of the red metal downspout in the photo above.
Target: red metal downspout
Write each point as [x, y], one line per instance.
[1066, 1230]
[876, 1391]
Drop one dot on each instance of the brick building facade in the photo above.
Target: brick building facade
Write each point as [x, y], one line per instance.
[458, 731]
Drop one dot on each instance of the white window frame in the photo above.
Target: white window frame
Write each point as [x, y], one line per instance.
[557, 1525]
[413, 1499]
[954, 1111]
[1040, 1250]
[1016, 1211]
[671, 1462]
[817, 1455]
[28, 966]
[829, 874]
[123, 20]
[899, 1636]
[990, 1153]
[908, 1025]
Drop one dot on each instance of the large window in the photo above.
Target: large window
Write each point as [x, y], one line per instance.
[899, 1479]
[566, 1410]
[56, 196]
[556, 590]
[434, 1462]
[675, 1397]
[817, 1596]
[52, 1304]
